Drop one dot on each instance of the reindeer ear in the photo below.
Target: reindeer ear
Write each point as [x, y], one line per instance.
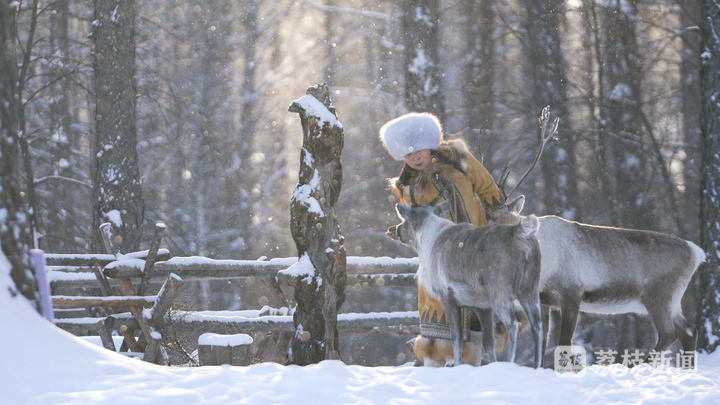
[402, 210]
[516, 205]
[443, 209]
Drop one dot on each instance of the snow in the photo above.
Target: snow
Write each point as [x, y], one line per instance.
[314, 108]
[127, 262]
[46, 365]
[214, 339]
[114, 216]
[303, 268]
[304, 194]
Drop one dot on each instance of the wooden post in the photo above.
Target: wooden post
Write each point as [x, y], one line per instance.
[321, 275]
[105, 336]
[38, 257]
[112, 248]
[163, 304]
[151, 257]
[111, 245]
[215, 349]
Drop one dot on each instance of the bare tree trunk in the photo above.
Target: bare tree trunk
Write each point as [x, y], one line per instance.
[479, 92]
[15, 231]
[248, 116]
[692, 130]
[321, 274]
[420, 23]
[21, 120]
[330, 45]
[622, 110]
[691, 105]
[117, 191]
[606, 196]
[58, 220]
[548, 76]
[709, 305]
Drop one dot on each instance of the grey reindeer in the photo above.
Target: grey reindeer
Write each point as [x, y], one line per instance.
[490, 269]
[608, 270]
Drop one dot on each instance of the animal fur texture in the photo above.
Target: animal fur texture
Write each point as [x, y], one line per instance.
[489, 269]
[610, 270]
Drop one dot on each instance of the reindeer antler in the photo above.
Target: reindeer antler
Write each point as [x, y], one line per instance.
[543, 120]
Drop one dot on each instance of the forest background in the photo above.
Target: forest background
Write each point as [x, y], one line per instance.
[218, 151]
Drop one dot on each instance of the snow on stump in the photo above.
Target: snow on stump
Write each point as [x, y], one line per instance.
[321, 276]
[215, 349]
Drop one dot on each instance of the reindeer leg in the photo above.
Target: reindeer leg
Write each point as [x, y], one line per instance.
[454, 315]
[569, 311]
[487, 324]
[507, 316]
[533, 312]
[663, 325]
[659, 311]
[687, 334]
[546, 314]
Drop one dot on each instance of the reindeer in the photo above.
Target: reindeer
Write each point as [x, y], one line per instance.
[609, 270]
[490, 269]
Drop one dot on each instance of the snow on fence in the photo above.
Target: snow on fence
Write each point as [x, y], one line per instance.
[71, 275]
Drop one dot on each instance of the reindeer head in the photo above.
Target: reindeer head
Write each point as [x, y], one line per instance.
[509, 214]
[413, 219]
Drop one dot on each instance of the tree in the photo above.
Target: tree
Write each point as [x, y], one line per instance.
[54, 65]
[117, 188]
[709, 303]
[479, 91]
[423, 87]
[548, 77]
[691, 105]
[627, 176]
[321, 275]
[15, 231]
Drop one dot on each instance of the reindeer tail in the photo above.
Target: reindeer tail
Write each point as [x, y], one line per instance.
[528, 227]
[698, 252]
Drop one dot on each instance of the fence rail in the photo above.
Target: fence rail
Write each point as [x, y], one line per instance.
[71, 276]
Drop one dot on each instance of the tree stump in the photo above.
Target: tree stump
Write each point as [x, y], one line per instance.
[320, 275]
[215, 349]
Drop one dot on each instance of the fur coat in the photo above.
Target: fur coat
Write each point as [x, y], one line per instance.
[474, 192]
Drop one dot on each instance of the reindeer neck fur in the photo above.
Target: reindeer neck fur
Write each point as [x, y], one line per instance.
[427, 234]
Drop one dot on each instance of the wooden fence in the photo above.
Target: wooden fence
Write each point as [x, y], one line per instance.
[120, 283]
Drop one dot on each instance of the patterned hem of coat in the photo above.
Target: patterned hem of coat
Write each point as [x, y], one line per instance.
[442, 331]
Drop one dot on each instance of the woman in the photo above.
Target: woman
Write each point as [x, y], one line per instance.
[435, 170]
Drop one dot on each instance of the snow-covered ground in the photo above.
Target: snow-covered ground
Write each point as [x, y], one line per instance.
[46, 365]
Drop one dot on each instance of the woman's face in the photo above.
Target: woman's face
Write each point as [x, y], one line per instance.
[418, 160]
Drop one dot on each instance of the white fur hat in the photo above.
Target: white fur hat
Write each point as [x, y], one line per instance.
[410, 133]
